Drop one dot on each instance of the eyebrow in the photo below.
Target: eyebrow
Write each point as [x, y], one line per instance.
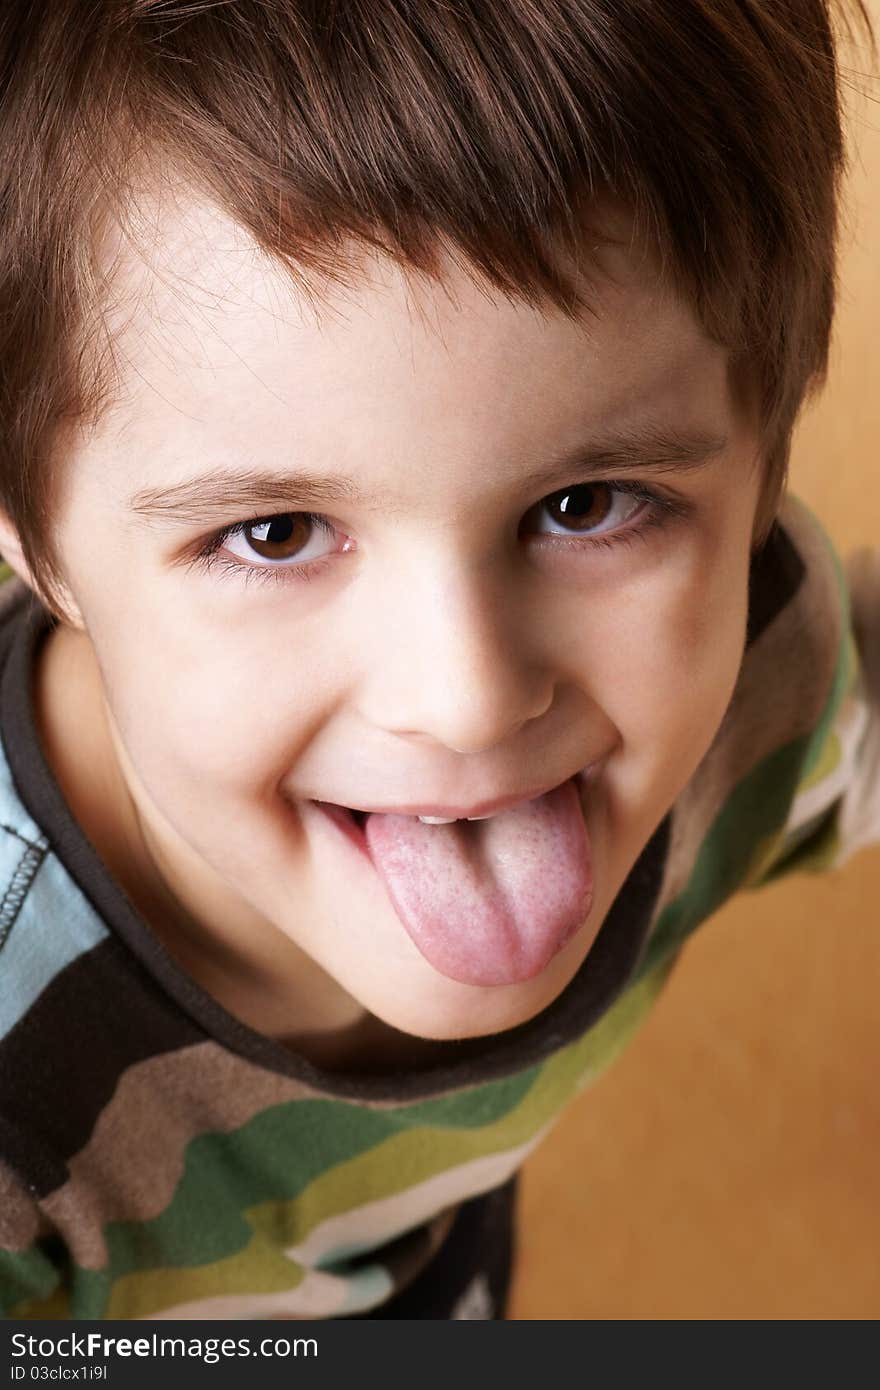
[644, 451]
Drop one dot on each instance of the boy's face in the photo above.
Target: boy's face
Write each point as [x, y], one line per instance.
[473, 625]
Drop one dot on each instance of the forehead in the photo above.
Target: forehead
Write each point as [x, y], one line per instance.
[219, 351]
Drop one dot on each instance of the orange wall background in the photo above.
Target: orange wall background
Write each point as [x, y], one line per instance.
[727, 1166]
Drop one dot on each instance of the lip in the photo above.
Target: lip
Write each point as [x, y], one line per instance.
[347, 834]
[490, 807]
[345, 822]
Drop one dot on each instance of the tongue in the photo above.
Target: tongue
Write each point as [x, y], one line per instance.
[489, 902]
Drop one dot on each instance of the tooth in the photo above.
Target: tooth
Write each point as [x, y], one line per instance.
[437, 820]
[479, 817]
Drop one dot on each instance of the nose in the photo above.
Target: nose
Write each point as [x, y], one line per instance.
[454, 659]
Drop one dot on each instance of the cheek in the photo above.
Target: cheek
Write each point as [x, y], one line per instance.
[206, 717]
[673, 657]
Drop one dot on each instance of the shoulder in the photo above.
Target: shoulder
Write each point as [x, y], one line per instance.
[794, 676]
[794, 680]
[797, 594]
[45, 920]
[47, 926]
[797, 661]
[49, 934]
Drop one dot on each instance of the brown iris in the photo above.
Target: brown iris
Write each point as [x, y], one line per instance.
[278, 537]
[581, 507]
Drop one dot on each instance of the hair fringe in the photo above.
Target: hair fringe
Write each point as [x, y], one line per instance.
[492, 130]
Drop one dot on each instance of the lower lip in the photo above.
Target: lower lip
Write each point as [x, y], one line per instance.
[346, 823]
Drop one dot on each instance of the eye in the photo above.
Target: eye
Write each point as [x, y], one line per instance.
[299, 546]
[592, 508]
[293, 537]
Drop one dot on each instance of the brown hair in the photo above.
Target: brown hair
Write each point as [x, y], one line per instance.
[486, 125]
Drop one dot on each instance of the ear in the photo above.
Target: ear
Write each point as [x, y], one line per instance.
[11, 551]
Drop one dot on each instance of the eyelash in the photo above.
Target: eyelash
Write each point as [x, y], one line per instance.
[660, 511]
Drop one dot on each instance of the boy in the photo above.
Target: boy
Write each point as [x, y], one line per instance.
[420, 647]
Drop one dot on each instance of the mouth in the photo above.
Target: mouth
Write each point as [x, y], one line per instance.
[351, 822]
[436, 814]
[490, 898]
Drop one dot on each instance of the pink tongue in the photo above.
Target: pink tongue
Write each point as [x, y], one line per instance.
[489, 902]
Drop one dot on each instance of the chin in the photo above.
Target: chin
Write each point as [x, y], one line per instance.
[447, 1011]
